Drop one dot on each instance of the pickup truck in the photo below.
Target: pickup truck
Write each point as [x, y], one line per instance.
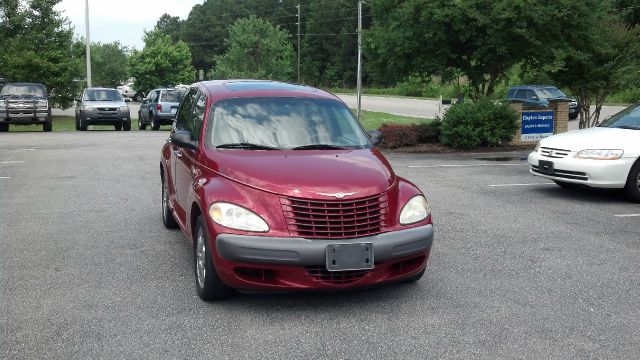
[24, 104]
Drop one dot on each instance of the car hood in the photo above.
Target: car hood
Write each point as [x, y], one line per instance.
[105, 103]
[595, 138]
[307, 174]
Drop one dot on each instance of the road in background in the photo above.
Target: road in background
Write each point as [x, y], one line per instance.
[520, 268]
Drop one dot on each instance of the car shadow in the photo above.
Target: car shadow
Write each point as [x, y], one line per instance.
[586, 194]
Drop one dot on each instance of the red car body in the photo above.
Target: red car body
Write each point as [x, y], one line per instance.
[277, 185]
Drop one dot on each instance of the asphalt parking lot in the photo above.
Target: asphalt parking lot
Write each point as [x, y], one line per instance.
[520, 267]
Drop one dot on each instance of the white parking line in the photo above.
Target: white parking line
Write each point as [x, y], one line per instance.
[11, 162]
[461, 165]
[17, 149]
[4, 178]
[627, 215]
[528, 184]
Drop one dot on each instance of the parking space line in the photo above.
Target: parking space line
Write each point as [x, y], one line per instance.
[11, 162]
[527, 184]
[460, 165]
[627, 215]
[4, 178]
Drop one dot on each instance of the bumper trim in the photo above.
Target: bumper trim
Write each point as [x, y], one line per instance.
[310, 252]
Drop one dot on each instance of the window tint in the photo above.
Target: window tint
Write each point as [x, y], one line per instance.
[183, 116]
[102, 95]
[197, 115]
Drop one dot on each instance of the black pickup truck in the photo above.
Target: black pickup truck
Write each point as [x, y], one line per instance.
[24, 104]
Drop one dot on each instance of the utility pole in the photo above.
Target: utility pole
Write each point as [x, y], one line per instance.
[86, 18]
[359, 58]
[299, 10]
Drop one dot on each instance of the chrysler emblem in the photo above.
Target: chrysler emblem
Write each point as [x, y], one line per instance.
[338, 195]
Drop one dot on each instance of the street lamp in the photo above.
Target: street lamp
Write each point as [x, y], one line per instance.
[88, 43]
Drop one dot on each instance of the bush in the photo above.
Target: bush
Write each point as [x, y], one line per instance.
[397, 135]
[483, 123]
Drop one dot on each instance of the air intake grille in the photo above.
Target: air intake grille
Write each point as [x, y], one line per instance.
[554, 153]
[335, 219]
[321, 274]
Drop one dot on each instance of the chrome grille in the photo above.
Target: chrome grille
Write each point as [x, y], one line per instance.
[107, 109]
[335, 219]
[554, 153]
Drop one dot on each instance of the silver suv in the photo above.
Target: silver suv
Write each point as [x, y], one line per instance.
[101, 106]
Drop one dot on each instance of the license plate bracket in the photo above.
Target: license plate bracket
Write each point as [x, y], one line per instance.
[545, 167]
[344, 257]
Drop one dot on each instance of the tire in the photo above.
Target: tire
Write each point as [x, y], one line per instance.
[633, 183]
[141, 126]
[83, 124]
[126, 126]
[118, 126]
[208, 283]
[167, 216]
[155, 126]
[77, 123]
[4, 128]
[47, 126]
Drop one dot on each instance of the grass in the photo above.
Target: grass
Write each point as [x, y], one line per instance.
[372, 120]
[67, 123]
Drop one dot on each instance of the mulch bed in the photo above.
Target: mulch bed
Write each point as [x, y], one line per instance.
[439, 148]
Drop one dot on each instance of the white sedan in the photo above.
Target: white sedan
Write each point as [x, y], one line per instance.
[606, 156]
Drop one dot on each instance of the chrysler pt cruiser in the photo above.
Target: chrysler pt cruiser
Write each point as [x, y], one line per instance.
[279, 188]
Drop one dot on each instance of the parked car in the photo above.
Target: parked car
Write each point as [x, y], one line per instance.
[128, 93]
[24, 104]
[102, 106]
[159, 108]
[607, 156]
[279, 188]
[539, 95]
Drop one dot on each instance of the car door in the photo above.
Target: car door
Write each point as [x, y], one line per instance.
[183, 117]
[186, 164]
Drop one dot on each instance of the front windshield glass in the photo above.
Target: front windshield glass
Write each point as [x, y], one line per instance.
[102, 95]
[284, 123]
[35, 91]
[628, 118]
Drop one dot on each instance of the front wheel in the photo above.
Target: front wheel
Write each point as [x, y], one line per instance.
[4, 127]
[208, 284]
[141, 126]
[633, 183]
[47, 126]
[155, 125]
[126, 126]
[83, 124]
[118, 126]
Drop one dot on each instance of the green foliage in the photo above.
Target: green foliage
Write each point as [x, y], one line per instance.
[161, 63]
[483, 123]
[36, 42]
[626, 96]
[109, 64]
[256, 49]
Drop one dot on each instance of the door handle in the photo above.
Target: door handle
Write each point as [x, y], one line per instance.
[177, 153]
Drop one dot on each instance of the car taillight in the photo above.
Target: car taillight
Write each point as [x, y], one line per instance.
[159, 107]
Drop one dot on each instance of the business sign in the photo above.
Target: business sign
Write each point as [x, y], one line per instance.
[537, 125]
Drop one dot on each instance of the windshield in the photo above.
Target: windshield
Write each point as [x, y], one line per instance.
[173, 96]
[628, 118]
[284, 123]
[36, 91]
[554, 92]
[102, 95]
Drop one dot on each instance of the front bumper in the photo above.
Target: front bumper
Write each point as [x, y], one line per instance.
[594, 173]
[96, 117]
[25, 117]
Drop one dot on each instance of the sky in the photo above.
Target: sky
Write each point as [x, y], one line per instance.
[122, 20]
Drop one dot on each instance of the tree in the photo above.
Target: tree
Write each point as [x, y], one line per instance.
[256, 49]
[109, 64]
[161, 63]
[36, 42]
[600, 61]
[482, 39]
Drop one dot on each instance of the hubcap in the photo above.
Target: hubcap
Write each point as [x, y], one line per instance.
[638, 183]
[200, 259]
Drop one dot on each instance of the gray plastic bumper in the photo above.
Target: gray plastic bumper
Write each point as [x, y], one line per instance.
[309, 252]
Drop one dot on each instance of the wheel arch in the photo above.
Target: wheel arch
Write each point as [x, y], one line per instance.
[193, 218]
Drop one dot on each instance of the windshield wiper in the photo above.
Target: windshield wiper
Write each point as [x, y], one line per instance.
[626, 127]
[318, 147]
[244, 145]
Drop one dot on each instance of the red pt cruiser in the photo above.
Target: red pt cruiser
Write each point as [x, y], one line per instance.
[279, 188]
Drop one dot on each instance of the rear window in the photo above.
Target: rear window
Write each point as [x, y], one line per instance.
[28, 90]
[173, 96]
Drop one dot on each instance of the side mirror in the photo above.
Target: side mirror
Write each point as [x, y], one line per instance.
[376, 137]
[535, 98]
[183, 139]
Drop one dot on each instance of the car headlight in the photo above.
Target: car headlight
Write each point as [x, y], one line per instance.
[236, 217]
[3, 103]
[603, 154]
[87, 108]
[415, 210]
[43, 104]
[124, 108]
[537, 147]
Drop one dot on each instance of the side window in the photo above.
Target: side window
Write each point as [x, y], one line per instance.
[156, 96]
[183, 117]
[531, 95]
[511, 94]
[520, 94]
[197, 115]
